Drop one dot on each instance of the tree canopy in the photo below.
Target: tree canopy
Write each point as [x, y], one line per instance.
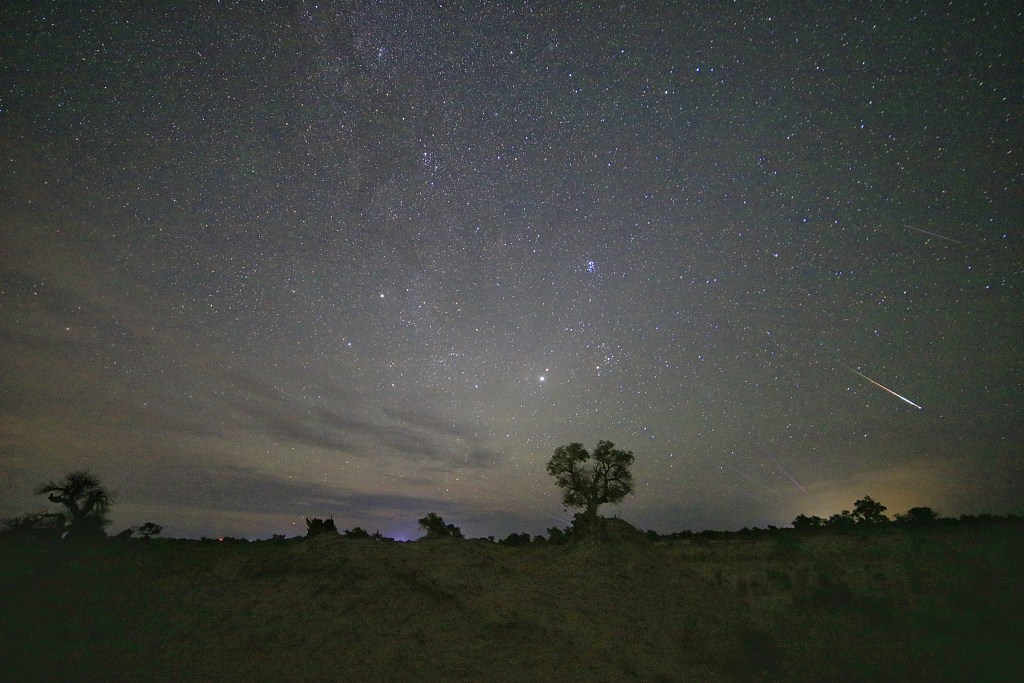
[606, 479]
[867, 510]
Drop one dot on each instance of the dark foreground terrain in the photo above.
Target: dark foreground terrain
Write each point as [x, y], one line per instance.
[932, 605]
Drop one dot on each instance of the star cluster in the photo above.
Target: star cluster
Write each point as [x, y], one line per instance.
[267, 260]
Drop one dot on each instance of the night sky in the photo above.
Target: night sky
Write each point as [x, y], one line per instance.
[270, 260]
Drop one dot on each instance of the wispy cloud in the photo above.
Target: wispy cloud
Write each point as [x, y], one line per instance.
[346, 425]
[247, 489]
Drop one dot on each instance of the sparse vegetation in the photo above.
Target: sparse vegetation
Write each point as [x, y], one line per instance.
[919, 598]
[917, 606]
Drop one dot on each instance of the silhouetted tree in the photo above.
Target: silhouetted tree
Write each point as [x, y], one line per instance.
[841, 521]
[149, 530]
[607, 480]
[436, 528]
[317, 526]
[869, 511]
[85, 502]
[918, 516]
[805, 523]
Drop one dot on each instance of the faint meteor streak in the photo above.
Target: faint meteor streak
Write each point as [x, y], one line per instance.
[786, 472]
[754, 481]
[933, 234]
[881, 386]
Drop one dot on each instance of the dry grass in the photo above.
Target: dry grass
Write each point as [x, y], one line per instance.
[939, 606]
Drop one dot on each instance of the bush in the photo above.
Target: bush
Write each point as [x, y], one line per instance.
[804, 523]
[357, 532]
[515, 540]
[558, 536]
[316, 526]
[33, 526]
[918, 516]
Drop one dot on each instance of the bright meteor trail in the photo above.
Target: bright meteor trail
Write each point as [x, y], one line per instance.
[882, 386]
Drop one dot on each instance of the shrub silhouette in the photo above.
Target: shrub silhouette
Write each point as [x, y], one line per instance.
[33, 526]
[918, 516]
[558, 536]
[436, 528]
[357, 532]
[316, 526]
[805, 523]
[514, 540]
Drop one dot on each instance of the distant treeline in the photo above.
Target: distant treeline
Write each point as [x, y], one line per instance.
[561, 536]
[85, 503]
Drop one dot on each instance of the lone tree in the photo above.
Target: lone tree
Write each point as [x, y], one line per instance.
[867, 510]
[606, 480]
[149, 530]
[85, 503]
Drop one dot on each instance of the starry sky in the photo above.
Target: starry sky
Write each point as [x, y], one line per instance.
[269, 260]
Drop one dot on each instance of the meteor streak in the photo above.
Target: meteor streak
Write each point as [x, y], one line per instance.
[882, 386]
[933, 234]
[786, 472]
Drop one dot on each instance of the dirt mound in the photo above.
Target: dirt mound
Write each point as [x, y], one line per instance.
[609, 530]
